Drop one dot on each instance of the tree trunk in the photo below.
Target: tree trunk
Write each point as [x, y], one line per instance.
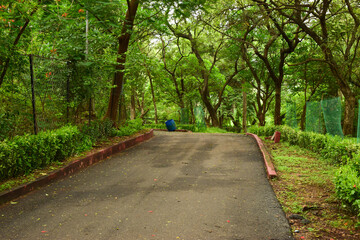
[350, 103]
[120, 67]
[192, 121]
[122, 110]
[153, 97]
[133, 106]
[261, 118]
[277, 115]
[221, 120]
[211, 110]
[303, 118]
[244, 115]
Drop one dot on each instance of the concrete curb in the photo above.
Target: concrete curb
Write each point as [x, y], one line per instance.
[270, 169]
[73, 167]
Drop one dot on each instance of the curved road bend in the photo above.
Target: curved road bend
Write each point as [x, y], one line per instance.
[175, 186]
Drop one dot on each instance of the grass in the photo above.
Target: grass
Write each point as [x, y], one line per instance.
[15, 182]
[215, 130]
[305, 187]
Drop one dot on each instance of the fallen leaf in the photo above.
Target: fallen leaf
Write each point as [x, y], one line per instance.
[13, 203]
[150, 211]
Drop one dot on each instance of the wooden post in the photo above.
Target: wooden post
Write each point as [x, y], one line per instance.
[33, 93]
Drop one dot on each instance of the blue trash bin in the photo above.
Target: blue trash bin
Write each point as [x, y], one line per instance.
[170, 125]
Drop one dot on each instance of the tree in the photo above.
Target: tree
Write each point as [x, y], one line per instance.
[205, 70]
[9, 13]
[123, 41]
[334, 26]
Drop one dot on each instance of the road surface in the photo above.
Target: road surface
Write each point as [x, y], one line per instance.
[174, 186]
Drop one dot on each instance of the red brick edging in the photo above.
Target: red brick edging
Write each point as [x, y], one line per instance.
[73, 167]
[270, 170]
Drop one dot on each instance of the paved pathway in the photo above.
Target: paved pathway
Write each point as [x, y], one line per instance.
[175, 186]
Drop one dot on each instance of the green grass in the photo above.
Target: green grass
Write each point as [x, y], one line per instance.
[215, 130]
[307, 179]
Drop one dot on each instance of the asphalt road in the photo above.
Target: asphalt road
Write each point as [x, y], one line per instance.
[174, 186]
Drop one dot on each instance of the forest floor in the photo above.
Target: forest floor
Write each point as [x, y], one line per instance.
[305, 189]
[25, 179]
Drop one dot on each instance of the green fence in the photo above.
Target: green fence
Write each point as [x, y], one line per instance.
[331, 109]
[290, 118]
[314, 120]
[184, 116]
[200, 117]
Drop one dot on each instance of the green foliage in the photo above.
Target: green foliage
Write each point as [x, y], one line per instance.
[25, 153]
[189, 127]
[98, 130]
[333, 148]
[194, 128]
[347, 183]
[129, 128]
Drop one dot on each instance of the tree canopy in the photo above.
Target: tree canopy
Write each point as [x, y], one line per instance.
[241, 61]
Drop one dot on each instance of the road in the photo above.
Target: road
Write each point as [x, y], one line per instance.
[174, 186]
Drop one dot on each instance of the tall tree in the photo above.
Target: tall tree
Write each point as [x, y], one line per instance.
[123, 41]
[12, 11]
[334, 26]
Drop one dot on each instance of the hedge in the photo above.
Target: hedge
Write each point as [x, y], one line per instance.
[23, 154]
[332, 148]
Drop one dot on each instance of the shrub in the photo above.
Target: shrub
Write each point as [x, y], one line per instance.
[347, 184]
[25, 153]
[332, 148]
[98, 130]
[129, 128]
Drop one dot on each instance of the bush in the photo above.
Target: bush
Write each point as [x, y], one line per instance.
[129, 128]
[98, 130]
[25, 153]
[233, 129]
[347, 184]
[332, 148]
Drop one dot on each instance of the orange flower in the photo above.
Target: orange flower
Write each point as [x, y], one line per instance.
[81, 10]
[64, 15]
